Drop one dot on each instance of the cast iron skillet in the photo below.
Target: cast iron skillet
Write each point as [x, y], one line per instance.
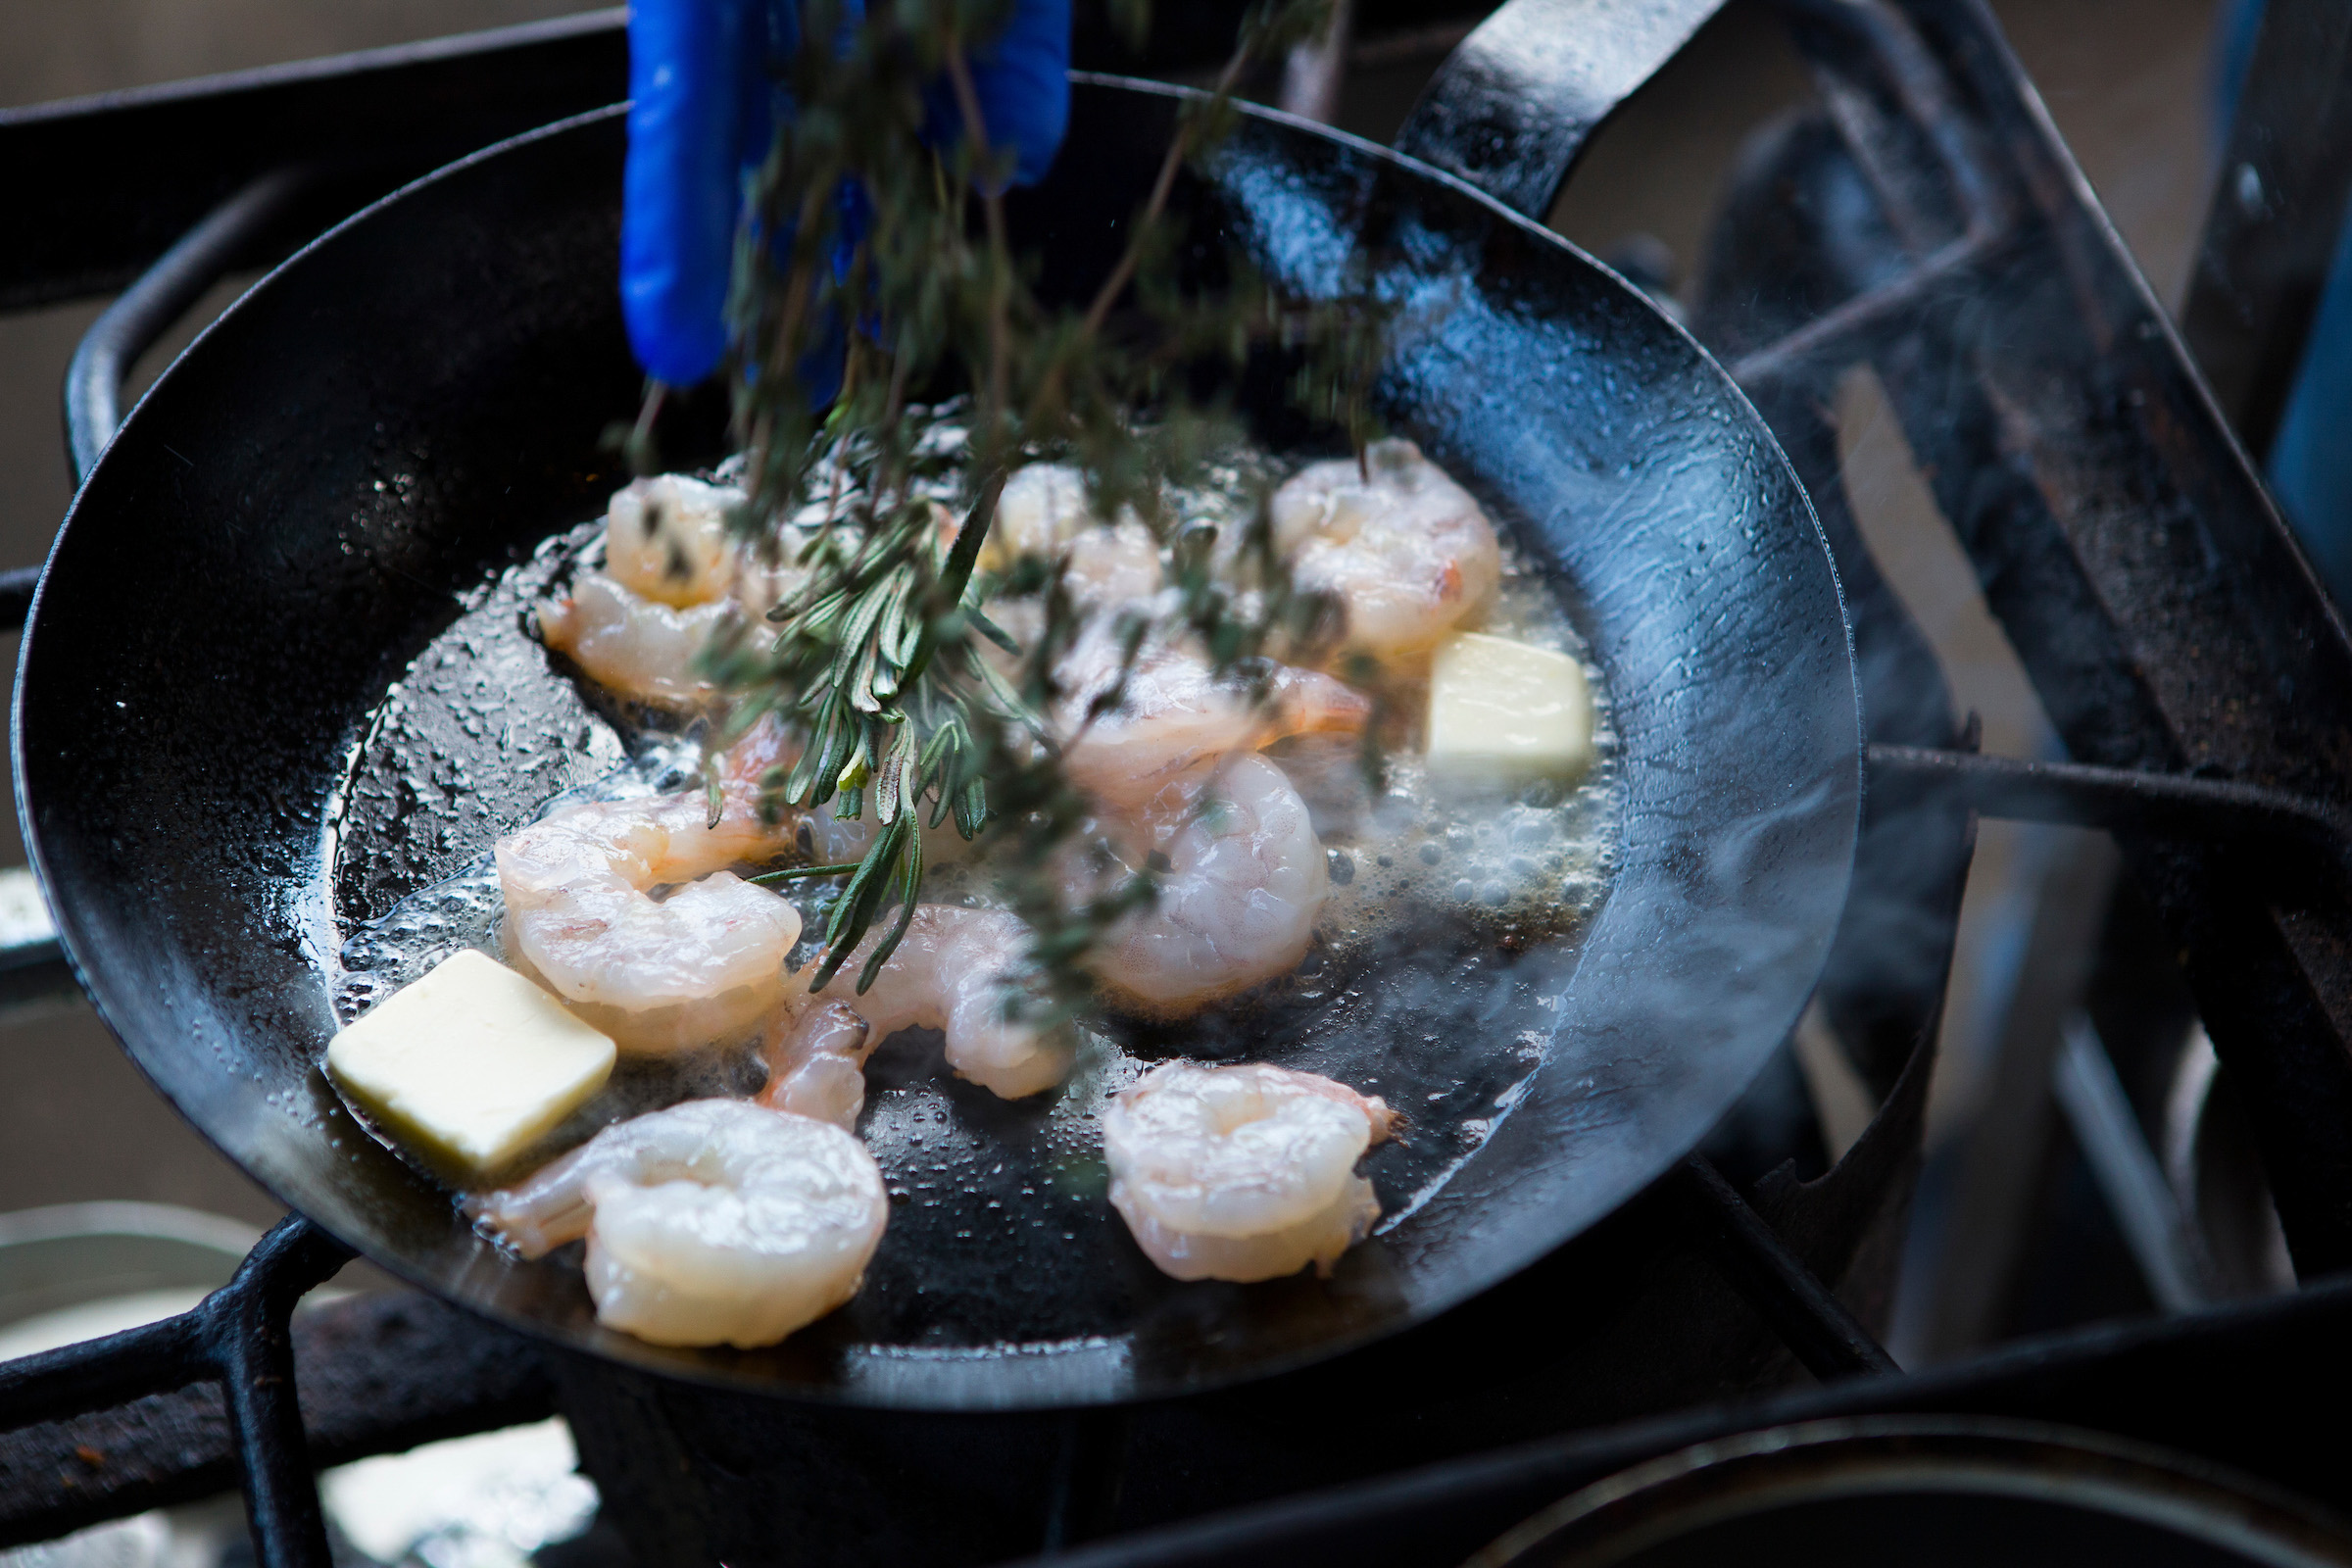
[310, 494]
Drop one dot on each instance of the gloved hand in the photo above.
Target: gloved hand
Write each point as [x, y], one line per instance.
[702, 112]
[2309, 466]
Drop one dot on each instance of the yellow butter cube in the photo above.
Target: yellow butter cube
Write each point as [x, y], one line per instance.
[1507, 710]
[470, 1064]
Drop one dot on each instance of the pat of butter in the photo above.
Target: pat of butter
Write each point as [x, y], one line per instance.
[1507, 710]
[470, 1064]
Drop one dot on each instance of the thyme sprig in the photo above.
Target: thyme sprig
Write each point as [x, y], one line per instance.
[874, 248]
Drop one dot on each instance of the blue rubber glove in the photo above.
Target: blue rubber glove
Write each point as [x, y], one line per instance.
[702, 112]
[2309, 466]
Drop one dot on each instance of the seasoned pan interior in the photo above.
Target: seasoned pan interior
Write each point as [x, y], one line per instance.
[325, 481]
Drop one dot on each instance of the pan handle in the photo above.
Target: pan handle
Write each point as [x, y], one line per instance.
[160, 296]
[129, 327]
[1512, 108]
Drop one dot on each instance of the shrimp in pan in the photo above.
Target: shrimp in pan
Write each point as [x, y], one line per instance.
[713, 1222]
[640, 647]
[1245, 879]
[1178, 717]
[816, 1058]
[1043, 513]
[659, 975]
[1241, 1173]
[666, 539]
[951, 973]
[832, 840]
[673, 579]
[1406, 551]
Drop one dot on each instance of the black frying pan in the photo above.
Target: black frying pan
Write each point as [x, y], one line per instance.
[306, 500]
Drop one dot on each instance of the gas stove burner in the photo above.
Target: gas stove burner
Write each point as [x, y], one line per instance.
[1931, 1491]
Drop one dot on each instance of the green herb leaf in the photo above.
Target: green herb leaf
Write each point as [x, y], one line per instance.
[876, 658]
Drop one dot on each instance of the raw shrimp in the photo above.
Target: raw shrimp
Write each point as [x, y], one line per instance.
[950, 973]
[713, 1222]
[666, 539]
[815, 1060]
[657, 975]
[1245, 878]
[672, 580]
[1043, 513]
[1178, 717]
[840, 840]
[641, 648]
[1241, 1173]
[1406, 551]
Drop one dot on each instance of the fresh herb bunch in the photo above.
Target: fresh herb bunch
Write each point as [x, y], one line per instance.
[864, 231]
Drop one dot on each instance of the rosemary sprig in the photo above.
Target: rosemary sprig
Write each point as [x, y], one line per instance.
[794, 873]
[865, 247]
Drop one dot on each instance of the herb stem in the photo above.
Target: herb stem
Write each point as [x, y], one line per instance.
[640, 453]
[798, 285]
[1179, 146]
[875, 662]
[962, 557]
[797, 872]
[1000, 251]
